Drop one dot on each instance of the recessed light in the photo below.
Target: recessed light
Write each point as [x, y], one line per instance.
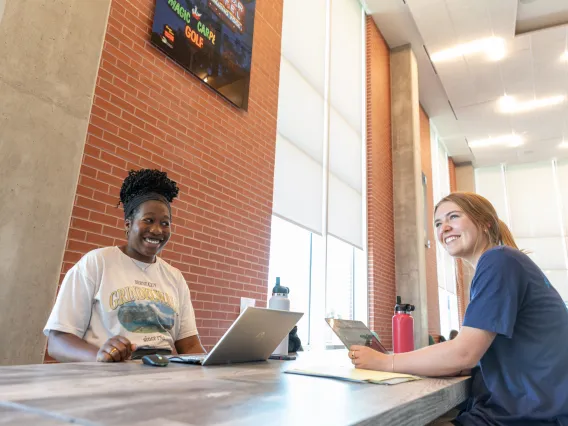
[564, 56]
[494, 47]
[509, 105]
[511, 140]
[563, 145]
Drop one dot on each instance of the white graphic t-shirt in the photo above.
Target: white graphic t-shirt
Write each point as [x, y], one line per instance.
[107, 293]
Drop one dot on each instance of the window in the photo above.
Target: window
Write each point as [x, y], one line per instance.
[447, 292]
[523, 195]
[290, 258]
[319, 173]
[297, 257]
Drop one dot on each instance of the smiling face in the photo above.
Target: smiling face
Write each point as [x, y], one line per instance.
[148, 231]
[457, 233]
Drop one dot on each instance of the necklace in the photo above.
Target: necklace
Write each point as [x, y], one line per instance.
[142, 265]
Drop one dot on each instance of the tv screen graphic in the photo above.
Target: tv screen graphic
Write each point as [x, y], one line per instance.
[210, 38]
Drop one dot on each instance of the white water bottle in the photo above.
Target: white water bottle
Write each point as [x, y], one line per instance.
[280, 301]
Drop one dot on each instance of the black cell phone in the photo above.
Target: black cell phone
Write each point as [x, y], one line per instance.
[140, 352]
[283, 357]
[352, 332]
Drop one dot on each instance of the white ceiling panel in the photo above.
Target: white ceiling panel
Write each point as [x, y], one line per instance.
[434, 23]
[550, 80]
[479, 121]
[457, 146]
[488, 82]
[470, 18]
[530, 125]
[503, 13]
[447, 125]
[530, 69]
[517, 71]
[473, 83]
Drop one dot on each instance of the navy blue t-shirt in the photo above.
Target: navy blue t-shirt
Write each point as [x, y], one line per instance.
[525, 370]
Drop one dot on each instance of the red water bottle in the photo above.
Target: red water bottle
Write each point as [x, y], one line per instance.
[403, 327]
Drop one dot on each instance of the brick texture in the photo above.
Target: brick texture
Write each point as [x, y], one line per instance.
[460, 285]
[381, 271]
[431, 266]
[149, 112]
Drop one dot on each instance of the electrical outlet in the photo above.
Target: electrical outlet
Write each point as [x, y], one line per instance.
[245, 302]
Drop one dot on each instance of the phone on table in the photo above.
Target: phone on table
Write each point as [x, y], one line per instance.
[283, 357]
[143, 351]
[352, 332]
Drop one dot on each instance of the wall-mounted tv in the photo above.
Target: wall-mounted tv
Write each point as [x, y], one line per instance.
[210, 38]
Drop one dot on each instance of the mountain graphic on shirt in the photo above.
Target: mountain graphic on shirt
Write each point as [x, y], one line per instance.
[146, 317]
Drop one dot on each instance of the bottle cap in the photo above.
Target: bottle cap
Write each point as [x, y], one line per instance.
[280, 289]
[403, 307]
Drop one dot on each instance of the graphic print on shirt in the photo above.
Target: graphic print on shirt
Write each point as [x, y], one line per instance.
[143, 310]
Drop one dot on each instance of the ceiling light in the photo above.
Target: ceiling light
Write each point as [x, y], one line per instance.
[511, 140]
[563, 145]
[564, 56]
[494, 47]
[508, 104]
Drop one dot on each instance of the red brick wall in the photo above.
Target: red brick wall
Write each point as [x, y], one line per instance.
[149, 112]
[382, 287]
[431, 267]
[460, 286]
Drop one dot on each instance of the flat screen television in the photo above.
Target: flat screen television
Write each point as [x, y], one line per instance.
[210, 38]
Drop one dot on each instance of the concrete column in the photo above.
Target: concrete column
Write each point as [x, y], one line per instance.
[465, 181]
[50, 52]
[410, 263]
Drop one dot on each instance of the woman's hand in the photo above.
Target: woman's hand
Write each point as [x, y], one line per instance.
[116, 349]
[369, 359]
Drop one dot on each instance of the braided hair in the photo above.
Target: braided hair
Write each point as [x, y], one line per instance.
[144, 185]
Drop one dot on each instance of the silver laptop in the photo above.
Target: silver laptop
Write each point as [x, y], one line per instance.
[254, 335]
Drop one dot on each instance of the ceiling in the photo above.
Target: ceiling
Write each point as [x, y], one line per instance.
[461, 95]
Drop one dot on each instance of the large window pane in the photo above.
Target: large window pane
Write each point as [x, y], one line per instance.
[319, 167]
[534, 196]
[360, 287]
[533, 204]
[490, 183]
[339, 291]
[290, 247]
[341, 280]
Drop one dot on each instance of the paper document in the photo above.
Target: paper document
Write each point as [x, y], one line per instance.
[346, 372]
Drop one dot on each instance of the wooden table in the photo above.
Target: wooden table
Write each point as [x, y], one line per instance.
[246, 394]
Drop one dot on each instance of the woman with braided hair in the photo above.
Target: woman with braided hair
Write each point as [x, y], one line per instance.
[119, 303]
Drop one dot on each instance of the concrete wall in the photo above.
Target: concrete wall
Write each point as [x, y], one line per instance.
[410, 263]
[49, 50]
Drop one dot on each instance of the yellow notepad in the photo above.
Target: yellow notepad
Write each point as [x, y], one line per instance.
[353, 374]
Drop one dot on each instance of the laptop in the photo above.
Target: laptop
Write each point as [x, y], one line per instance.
[352, 332]
[254, 335]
